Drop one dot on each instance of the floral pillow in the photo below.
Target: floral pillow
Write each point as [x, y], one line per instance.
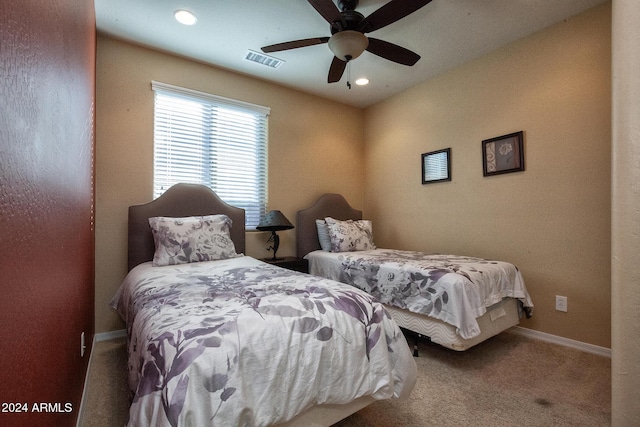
[348, 236]
[192, 239]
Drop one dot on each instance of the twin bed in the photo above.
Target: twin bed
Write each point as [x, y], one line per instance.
[217, 338]
[456, 301]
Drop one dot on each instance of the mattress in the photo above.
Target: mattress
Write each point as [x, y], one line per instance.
[499, 317]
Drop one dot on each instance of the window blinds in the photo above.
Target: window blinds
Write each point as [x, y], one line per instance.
[219, 142]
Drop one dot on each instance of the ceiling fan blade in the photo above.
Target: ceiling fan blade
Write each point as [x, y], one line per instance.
[295, 44]
[392, 52]
[328, 10]
[336, 70]
[390, 13]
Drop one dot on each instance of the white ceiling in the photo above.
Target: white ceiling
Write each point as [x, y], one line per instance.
[445, 33]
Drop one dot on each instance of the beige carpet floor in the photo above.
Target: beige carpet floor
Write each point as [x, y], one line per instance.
[509, 380]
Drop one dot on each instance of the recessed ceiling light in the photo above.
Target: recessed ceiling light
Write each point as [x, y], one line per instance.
[185, 17]
[362, 81]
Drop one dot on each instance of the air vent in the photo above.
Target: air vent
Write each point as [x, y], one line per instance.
[263, 59]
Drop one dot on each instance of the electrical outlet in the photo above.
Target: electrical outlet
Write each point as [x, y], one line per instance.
[83, 347]
[561, 303]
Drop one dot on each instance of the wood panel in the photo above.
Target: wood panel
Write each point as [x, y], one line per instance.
[47, 89]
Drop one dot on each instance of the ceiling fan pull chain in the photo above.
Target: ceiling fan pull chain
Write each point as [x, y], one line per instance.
[348, 74]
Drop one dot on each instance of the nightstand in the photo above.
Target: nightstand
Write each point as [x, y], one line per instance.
[290, 262]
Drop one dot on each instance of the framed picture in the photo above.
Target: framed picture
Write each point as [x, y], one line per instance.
[503, 154]
[436, 166]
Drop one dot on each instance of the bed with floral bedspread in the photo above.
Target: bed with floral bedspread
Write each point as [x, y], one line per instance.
[452, 288]
[241, 342]
[455, 301]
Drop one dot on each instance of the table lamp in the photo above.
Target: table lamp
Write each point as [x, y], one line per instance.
[274, 221]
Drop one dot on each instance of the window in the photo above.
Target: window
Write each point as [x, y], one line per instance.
[205, 139]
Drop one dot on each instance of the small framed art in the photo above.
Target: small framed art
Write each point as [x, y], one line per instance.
[436, 166]
[503, 154]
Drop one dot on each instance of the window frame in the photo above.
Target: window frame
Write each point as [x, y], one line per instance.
[256, 204]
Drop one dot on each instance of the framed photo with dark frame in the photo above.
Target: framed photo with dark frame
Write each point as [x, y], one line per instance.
[436, 166]
[503, 154]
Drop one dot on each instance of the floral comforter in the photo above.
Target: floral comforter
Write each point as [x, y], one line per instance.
[241, 342]
[454, 289]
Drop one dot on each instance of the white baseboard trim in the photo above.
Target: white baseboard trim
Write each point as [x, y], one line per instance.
[567, 342]
[80, 420]
[103, 336]
[106, 336]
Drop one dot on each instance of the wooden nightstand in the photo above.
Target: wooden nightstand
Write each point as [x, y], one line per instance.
[290, 262]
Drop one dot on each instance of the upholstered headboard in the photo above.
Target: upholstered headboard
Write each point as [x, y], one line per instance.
[181, 200]
[333, 205]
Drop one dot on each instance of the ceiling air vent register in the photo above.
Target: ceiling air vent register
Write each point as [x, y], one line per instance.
[261, 58]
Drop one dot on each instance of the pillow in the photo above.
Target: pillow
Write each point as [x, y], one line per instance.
[323, 235]
[347, 236]
[191, 239]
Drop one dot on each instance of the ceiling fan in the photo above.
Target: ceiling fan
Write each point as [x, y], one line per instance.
[348, 28]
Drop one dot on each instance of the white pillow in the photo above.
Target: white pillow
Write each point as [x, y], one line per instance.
[191, 239]
[348, 236]
[323, 235]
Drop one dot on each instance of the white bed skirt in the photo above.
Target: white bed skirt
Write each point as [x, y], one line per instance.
[499, 317]
[327, 415]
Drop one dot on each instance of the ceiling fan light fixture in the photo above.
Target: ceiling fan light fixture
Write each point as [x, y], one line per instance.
[185, 17]
[348, 44]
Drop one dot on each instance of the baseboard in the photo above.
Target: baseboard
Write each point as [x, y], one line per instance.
[578, 345]
[79, 420]
[103, 336]
[106, 336]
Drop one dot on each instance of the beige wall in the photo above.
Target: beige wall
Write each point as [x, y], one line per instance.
[315, 146]
[553, 219]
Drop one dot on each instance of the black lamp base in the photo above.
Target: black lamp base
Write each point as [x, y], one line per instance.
[276, 243]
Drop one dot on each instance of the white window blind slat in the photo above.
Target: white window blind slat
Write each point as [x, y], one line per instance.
[215, 141]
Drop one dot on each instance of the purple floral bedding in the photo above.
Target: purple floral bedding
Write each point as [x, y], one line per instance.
[451, 288]
[241, 342]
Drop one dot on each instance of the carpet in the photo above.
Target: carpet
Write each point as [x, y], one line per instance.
[508, 380]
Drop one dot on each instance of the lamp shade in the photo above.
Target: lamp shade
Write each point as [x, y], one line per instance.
[348, 44]
[274, 221]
